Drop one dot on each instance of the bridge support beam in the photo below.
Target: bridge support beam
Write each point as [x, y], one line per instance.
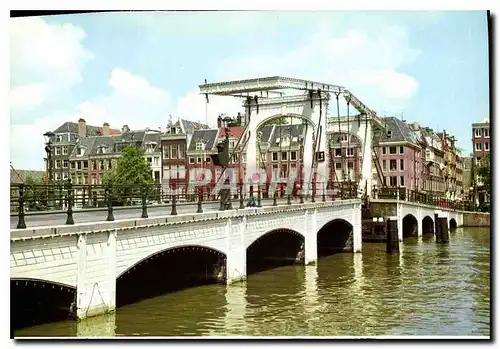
[311, 237]
[357, 229]
[96, 277]
[400, 222]
[236, 269]
[419, 223]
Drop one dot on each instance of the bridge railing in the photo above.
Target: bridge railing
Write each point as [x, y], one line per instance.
[70, 199]
[405, 194]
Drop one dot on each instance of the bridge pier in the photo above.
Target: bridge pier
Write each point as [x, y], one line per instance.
[236, 252]
[96, 274]
[311, 237]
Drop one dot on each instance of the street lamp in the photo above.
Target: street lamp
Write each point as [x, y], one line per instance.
[49, 139]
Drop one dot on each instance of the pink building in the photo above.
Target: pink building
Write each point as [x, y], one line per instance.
[399, 156]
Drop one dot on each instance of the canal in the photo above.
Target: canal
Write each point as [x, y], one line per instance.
[426, 289]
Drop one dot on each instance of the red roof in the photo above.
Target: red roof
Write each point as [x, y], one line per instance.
[234, 132]
[112, 131]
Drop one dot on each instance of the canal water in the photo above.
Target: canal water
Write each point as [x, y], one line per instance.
[426, 289]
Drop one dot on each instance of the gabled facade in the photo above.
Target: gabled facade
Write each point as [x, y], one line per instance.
[174, 143]
[201, 147]
[400, 156]
[480, 147]
[65, 139]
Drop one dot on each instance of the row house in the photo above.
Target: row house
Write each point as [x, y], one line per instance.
[480, 147]
[64, 140]
[93, 157]
[174, 143]
[433, 161]
[451, 156]
[237, 160]
[344, 159]
[201, 147]
[281, 148]
[400, 156]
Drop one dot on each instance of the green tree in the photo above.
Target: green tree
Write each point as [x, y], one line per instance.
[35, 193]
[484, 173]
[283, 120]
[131, 174]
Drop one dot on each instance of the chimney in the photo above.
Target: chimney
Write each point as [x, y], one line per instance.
[105, 129]
[82, 128]
[125, 128]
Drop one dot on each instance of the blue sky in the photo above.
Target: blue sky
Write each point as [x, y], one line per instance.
[138, 68]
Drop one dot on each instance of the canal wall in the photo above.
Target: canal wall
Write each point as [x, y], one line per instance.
[476, 219]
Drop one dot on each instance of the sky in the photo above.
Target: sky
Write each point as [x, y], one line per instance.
[138, 68]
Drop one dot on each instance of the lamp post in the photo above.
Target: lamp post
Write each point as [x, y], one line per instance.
[49, 138]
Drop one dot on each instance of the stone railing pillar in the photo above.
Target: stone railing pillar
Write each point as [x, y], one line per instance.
[310, 237]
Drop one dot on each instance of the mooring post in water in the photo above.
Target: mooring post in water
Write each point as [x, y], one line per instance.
[392, 240]
[443, 226]
[437, 227]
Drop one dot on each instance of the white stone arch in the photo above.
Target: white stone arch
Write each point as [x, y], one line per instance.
[413, 217]
[312, 107]
[343, 220]
[250, 242]
[47, 281]
[296, 116]
[135, 262]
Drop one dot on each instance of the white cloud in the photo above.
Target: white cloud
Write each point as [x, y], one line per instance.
[366, 63]
[192, 107]
[131, 100]
[45, 58]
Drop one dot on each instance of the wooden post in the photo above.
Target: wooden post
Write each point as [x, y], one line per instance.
[437, 228]
[392, 242]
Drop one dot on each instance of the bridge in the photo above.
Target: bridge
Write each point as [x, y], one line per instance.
[97, 266]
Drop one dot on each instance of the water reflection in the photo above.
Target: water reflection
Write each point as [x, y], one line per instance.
[235, 311]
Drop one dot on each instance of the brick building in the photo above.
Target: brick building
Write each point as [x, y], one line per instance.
[400, 156]
[174, 143]
[65, 138]
[480, 147]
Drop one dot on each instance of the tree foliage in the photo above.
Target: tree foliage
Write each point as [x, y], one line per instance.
[35, 194]
[131, 174]
[283, 120]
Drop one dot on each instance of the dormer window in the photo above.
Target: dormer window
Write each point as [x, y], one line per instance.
[343, 138]
[199, 145]
[295, 139]
[173, 130]
[278, 140]
[389, 134]
[81, 151]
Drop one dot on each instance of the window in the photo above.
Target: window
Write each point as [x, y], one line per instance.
[109, 165]
[350, 170]
[393, 165]
[65, 176]
[284, 155]
[384, 150]
[58, 138]
[173, 130]
[392, 150]
[65, 163]
[293, 155]
[73, 165]
[101, 165]
[57, 150]
[57, 176]
[79, 165]
[343, 138]
[58, 163]
[486, 132]
[402, 181]
[166, 151]
[487, 146]
[275, 156]
[401, 150]
[199, 145]
[389, 134]
[65, 150]
[384, 165]
[94, 178]
[85, 164]
[198, 160]
[351, 152]
[479, 146]
[477, 132]
[393, 181]
[232, 144]
[191, 160]
[338, 166]
[401, 165]
[173, 151]
[182, 151]
[207, 160]
[149, 160]
[338, 152]
[81, 151]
